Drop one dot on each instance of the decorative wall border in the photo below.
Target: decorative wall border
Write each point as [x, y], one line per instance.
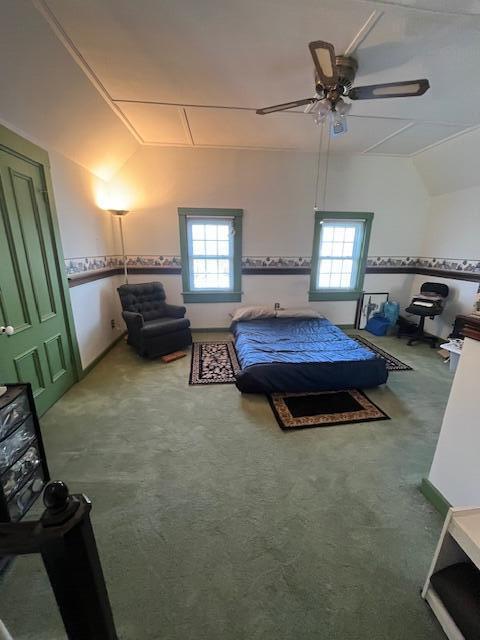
[89, 268]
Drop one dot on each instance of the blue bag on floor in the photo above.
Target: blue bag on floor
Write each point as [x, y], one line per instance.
[391, 310]
[378, 325]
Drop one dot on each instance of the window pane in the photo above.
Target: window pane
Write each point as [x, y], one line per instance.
[199, 266]
[198, 231]
[325, 266]
[223, 248]
[199, 281]
[347, 249]
[337, 266]
[346, 279]
[212, 266]
[324, 280]
[335, 280]
[326, 249]
[223, 281]
[207, 241]
[198, 248]
[339, 253]
[327, 233]
[223, 266]
[210, 248]
[223, 231]
[210, 232]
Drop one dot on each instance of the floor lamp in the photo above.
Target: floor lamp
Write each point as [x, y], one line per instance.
[119, 213]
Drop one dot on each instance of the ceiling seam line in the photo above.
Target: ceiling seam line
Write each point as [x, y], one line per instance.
[186, 125]
[69, 45]
[389, 137]
[443, 140]
[363, 32]
[407, 7]
[291, 112]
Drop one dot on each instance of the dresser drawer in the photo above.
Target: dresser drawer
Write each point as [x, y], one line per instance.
[22, 501]
[13, 413]
[12, 447]
[14, 478]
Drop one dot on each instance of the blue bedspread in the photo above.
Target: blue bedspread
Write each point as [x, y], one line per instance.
[292, 354]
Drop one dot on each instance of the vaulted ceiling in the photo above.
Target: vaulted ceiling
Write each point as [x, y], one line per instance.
[192, 72]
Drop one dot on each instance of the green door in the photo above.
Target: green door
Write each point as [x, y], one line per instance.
[31, 289]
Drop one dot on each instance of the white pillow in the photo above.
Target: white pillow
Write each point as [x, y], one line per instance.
[296, 312]
[252, 313]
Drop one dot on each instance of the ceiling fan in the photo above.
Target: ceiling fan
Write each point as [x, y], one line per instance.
[334, 77]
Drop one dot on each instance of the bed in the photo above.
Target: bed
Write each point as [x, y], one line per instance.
[296, 354]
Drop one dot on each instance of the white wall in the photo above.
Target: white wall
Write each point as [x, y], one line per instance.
[455, 470]
[95, 304]
[453, 222]
[276, 191]
[87, 230]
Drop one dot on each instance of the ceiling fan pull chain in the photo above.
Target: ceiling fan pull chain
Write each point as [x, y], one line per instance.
[327, 127]
[317, 176]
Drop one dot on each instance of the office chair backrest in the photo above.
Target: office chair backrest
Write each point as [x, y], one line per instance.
[435, 287]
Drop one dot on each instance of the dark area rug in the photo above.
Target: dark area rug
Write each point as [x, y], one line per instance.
[213, 363]
[393, 364]
[323, 409]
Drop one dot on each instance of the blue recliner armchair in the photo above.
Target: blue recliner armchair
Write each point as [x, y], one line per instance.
[155, 328]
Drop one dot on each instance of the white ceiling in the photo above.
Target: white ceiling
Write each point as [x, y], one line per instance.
[192, 73]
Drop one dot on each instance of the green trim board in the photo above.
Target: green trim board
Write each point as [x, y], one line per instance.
[433, 495]
[316, 294]
[234, 295]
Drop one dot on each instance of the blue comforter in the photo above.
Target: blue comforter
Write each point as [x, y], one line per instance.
[292, 354]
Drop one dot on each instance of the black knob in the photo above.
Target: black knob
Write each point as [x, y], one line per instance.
[55, 496]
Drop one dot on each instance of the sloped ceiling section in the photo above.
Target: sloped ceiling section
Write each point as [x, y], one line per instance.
[47, 96]
[451, 166]
[192, 73]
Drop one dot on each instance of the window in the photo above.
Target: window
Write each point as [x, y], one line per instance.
[211, 248]
[340, 248]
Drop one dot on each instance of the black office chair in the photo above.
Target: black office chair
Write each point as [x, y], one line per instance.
[428, 304]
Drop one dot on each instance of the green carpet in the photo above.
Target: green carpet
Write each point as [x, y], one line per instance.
[213, 524]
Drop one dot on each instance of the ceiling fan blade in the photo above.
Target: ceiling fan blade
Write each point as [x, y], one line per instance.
[285, 106]
[405, 89]
[323, 55]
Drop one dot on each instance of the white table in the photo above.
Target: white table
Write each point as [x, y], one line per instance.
[455, 353]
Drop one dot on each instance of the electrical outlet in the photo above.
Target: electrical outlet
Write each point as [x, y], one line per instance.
[112, 323]
[276, 306]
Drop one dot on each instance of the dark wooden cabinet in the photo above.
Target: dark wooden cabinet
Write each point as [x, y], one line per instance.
[462, 322]
[23, 466]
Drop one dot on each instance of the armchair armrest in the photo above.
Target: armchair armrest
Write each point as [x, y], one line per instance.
[134, 322]
[175, 311]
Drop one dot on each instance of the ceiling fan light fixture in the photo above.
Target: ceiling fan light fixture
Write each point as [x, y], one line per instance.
[338, 124]
[320, 106]
[319, 118]
[342, 107]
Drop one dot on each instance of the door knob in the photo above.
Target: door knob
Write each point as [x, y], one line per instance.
[8, 330]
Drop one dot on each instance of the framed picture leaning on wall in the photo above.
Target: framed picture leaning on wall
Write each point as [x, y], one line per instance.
[368, 304]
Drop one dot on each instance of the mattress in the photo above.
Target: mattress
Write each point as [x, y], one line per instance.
[295, 355]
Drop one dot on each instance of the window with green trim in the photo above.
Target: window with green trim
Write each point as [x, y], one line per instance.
[340, 249]
[211, 249]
